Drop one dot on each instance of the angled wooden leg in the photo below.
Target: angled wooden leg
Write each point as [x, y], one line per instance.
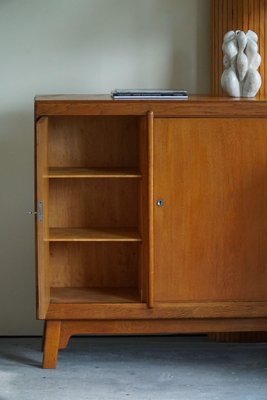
[64, 336]
[51, 344]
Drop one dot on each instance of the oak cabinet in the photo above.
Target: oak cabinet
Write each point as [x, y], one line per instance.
[151, 216]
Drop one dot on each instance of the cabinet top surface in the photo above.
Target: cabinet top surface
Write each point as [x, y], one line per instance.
[194, 106]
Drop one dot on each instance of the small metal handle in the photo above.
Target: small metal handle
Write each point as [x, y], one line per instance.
[31, 212]
[160, 202]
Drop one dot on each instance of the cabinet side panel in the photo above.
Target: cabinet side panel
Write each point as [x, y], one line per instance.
[211, 233]
[43, 291]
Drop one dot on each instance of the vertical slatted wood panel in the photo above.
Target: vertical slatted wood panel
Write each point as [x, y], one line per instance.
[234, 15]
[235, 337]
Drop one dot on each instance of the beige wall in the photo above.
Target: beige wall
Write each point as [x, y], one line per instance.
[77, 46]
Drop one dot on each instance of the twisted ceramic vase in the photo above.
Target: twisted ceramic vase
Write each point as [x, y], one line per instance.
[241, 61]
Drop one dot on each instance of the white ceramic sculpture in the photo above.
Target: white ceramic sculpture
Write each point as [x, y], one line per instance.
[241, 61]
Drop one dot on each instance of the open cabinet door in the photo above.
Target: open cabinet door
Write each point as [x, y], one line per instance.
[42, 246]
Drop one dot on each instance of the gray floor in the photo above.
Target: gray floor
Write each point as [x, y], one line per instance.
[143, 368]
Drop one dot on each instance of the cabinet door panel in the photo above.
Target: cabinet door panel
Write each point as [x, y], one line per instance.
[43, 290]
[210, 236]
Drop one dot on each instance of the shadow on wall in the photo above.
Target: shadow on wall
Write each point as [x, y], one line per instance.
[191, 49]
[203, 48]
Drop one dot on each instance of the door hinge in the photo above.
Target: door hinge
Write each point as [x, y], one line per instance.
[40, 211]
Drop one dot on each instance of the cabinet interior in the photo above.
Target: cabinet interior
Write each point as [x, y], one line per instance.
[96, 197]
[95, 142]
[97, 269]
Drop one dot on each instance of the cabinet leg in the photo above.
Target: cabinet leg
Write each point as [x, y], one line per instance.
[51, 343]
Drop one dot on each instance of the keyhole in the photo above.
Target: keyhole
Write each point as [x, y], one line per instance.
[160, 202]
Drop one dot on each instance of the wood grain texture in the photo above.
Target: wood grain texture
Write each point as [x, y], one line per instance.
[243, 15]
[96, 173]
[51, 344]
[93, 235]
[143, 210]
[89, 264]
[151, 208]
[195, 106]
[94, 295]
[89, 142]
[237, 15]
[211, 234]
[179, 310]
[84, 203]
[42, 254]
[70, 328]
[81, 327]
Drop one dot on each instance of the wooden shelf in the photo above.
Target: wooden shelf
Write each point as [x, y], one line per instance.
[93, 235]
[80, 295]
[92, 173]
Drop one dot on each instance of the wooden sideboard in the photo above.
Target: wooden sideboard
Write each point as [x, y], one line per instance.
[151, 216]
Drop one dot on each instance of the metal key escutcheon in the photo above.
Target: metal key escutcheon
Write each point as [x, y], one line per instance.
[160, 202]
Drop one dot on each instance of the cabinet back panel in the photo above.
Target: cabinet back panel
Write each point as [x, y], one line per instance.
[93, 203]
[93, 142]
[212, 174]
[94, 264]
